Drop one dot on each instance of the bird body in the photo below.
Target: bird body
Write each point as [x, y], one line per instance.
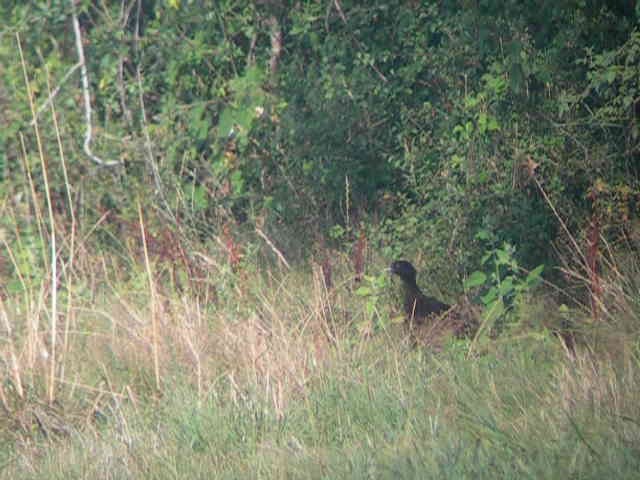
[430, 321]
[417, 305]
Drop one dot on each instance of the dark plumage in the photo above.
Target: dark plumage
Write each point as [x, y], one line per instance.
[417, 305]
[430, 321]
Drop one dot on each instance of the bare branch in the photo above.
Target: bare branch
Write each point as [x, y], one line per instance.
[276, 44]
[278, 253]
[85, 93]
[123, 93]
[251, 56]
[340, 12]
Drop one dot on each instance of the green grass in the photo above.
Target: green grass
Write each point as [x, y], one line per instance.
[281, 379]
[139, 364]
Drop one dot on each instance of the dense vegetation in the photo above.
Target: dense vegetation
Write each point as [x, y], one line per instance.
[195, 234]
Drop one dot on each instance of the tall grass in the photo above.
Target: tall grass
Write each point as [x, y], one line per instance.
[268, 382]
[127, 365]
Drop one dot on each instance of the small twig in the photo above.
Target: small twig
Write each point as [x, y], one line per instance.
[153, 166]
[357, 42]
[562, 223]
[278, 253]
[85, 93]
[148, 145]
[55, 92]
[340, 12]
[123, 94]
[125, 14]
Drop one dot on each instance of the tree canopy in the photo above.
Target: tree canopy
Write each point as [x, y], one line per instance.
[447, 127]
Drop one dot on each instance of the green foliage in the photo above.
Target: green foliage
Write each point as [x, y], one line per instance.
[502, 284]
[374, 291]
[436, 119]
[28, 268]
[422, 123]
[240, 114]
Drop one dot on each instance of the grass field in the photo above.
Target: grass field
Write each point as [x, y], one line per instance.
[274, 376]
[130, 349]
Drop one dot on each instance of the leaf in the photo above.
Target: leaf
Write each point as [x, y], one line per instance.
[493, 124]
[534, 275]
[456, 161]
[468, 128]
[493, 312]
[506, 286]
[363, 291]
[476, 279]
[490, 297]
[502, 257]
[483, 235]
[200, 198]
[482, 122]
[471, 102]
[237, 182]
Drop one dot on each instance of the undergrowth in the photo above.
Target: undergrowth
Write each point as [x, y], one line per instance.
[152, 327]
[274, 375]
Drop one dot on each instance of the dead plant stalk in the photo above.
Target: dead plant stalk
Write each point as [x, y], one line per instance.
[154, 309]
[52, 233]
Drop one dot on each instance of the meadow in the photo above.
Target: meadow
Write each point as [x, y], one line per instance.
[267, 373]
[199, 203]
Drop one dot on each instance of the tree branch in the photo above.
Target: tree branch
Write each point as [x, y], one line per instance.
[275, 250]
[85, 93]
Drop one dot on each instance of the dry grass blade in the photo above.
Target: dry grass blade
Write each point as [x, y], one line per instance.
[153, 299]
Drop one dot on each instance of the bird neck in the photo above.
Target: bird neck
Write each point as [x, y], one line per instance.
[411, 289]
[410, 283]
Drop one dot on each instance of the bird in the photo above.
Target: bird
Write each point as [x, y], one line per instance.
[417, 305]
[430, 321]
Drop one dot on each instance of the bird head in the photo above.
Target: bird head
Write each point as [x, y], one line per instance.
[404, 270]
